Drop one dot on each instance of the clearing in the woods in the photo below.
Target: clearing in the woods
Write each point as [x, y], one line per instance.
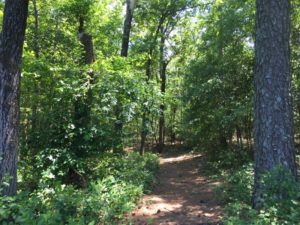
[182, 196]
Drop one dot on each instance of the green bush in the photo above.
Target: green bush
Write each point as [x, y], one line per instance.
[132, 168]
[105, 201]
[238, 186]
[280, 203]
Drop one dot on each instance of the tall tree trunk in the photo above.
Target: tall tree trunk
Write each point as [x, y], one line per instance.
[145, 107]
[36, 29]
[173, 118]
[273, 122]
[12, 39]
[130, 6]
[118, 128]
[87, 42]
[163, 69]
[145, 119]
[82, 105]
[143, 133]
[36, 49]
[239, 138]
[118, 141]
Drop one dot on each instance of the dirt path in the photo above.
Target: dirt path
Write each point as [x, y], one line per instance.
[183, 195]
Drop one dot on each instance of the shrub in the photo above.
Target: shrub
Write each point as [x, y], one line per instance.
[132, 168]
[280, 203]
[105, 201]
[238, 186]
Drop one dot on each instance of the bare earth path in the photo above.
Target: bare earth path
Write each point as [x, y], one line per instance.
[183, 196]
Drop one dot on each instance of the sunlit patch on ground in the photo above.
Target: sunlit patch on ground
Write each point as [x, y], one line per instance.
[178, 158]
[153, 205]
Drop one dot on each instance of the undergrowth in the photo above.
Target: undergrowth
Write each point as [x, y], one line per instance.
[235, 194]
[120, 182]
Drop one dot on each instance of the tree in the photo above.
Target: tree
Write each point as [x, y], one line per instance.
[163, 70]
[217, 91]
[145, 119]
[273, 124]
[130, 6]
[157, 14]
[165, 32]
[83, 104]
[12, 39]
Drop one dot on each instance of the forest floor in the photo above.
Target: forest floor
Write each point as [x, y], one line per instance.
[182, 196]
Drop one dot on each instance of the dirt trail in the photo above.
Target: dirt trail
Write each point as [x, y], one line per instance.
[183, 195]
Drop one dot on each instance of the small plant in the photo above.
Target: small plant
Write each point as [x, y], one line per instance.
[238, 186]
[280, 203]
[107, 199]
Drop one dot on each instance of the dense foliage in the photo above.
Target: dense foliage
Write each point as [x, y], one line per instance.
[218, 102]
[117, 185]
[236, 194]
[188, 79]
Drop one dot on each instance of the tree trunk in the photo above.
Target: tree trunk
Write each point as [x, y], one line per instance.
[118, 127]
[36, 30]
[248, 130]
[130, 5]
[173, 134]
[144, 130]
[163, 69]
[82, 105]
[12, 39]
[87, 42]
[273, 123]
[143, 133]
[239, 138]
[34, 121]
[145, 119]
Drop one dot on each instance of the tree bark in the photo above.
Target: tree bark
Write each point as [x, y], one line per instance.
[82, 105]
[118, 111]
[145, 119]
[173, 118]
[163, 70]
[130, 6]
[273, 122]
[118, 128]
[36, 49]
[12, 40]
[87, 42]
[36, 29]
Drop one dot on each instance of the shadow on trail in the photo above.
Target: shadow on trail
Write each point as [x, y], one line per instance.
[183, 195]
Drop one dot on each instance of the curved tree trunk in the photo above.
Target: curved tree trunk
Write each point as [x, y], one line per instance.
[13, 34]
[273, 126]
